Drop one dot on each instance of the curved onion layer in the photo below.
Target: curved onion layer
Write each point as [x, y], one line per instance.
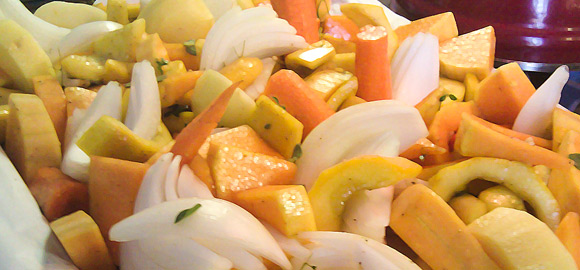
[368, 213]
[212, 222]
[48, 35]
[384, 128]
[536, 115]
[255, 89]
[415, 68]
[75, 163]
[80, 38]
[144, 110]
[338, 250]
[254, 32]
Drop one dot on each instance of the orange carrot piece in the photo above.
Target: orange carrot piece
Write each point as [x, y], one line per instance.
[175, 86]
[541, 142]
[298, 99]
[192, 137]
[569, 234]
[113, 187]
[423, 146]
[339, 26]
[447, 120]
[302, 15]
[57, 194]
[176, 51]
[48, 89]
[372, 65]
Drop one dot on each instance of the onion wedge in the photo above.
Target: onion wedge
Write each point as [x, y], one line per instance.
[332, 250]
[536, 115]
[81, 37]
[144, 110]
[368, 212]
[415, 68]
[210, 222]
[384, 128]
[75, 163]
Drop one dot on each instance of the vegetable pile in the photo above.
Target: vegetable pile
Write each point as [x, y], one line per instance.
[277, 134]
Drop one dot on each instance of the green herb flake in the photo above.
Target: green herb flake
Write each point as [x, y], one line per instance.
[267, 126]
[190, 47]
[576, 158]
[160, 63]
[452, 97]
[442, 98]
[297, 153]
[186, 213]
[278, 102]
[313, 267]
[160, 78]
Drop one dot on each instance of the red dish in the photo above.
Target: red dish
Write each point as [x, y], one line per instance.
[540, 34]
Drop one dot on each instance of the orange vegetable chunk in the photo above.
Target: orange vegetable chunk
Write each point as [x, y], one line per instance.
[234, 170]
[473, 52]
[569, 234]
[502, 94]
[58, 194]
[286, 207]
[372, 64]
[113, 187]
[48, 89]
[294, 94]
[302, 15]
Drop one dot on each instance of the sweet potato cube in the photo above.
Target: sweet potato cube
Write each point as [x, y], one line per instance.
[58, 194]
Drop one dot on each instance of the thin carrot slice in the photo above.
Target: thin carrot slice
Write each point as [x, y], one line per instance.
[302, 15]
[372, 65]
[192, 137]
[293, 93]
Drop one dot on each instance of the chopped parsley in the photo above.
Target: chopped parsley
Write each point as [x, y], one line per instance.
[576, 158]
[451, 96]
[160, 63]
[190, 47]
[267, 126]
[296, 154]
[186, 213]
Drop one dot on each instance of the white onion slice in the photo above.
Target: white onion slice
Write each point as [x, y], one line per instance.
[255, 89]
[189, 185]
[151, 192]
[415, 69]
[331, 250]
[290, 246]
[390, 124]
[253, 32]
[144, 110]
[48, 35]
[212, 221]
[171, 179]
[81, 37]
[75, 163]
[368, 213]
[241, 259]
[536, 115]
[178, 252]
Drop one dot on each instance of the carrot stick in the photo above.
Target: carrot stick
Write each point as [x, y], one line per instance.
[302, 15]
[339, 26]
[372, 66]
[192, 137]
[293, 94]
